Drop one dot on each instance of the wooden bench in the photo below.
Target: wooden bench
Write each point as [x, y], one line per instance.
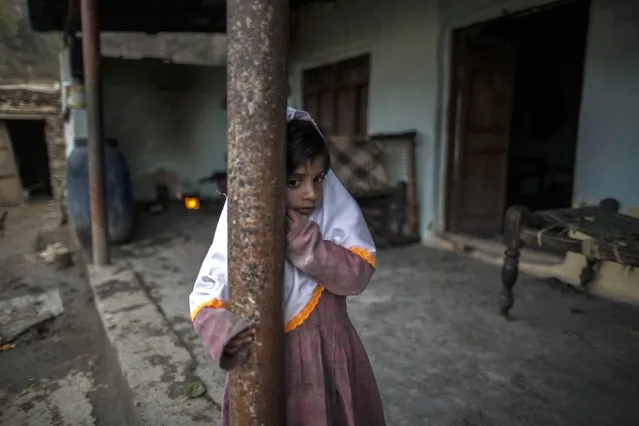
[609, 236]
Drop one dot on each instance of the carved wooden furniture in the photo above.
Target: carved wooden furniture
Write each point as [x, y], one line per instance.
[610, 236]
[380, 173]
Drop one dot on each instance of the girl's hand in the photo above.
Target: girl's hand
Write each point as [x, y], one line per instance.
[294, 219]
[240, 341]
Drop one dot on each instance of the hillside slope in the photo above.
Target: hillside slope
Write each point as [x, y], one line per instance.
[24, 54]
[29, 56]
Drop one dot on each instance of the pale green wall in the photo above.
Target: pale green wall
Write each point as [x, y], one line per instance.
[409, 41]
[401, 38]
[608, 148]
[181, 129]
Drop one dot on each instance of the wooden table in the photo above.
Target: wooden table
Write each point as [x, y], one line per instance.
[611, 236]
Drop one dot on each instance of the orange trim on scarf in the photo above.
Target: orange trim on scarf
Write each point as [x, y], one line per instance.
[299, 319]
[213, 304]
[364, 254]
[306, 312]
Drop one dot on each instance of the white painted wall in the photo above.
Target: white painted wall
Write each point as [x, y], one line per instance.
[65, 77]
[608, 143]
[409, 42]
[401, 38]
[166, 116]
[608, 149]
[76, 126]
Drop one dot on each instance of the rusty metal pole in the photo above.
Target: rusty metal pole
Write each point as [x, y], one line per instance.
[93, 88]
[257, 92]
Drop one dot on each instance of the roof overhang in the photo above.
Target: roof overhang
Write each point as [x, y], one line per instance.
[152, 17]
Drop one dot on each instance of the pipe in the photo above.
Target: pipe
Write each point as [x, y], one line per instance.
[256, 106]
[93, 87]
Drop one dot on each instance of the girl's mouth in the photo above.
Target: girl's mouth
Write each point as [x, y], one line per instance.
[306, 211]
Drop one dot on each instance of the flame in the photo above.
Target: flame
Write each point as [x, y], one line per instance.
[192, 203]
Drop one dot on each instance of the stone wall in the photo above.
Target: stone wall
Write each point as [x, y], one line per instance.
[41, 101]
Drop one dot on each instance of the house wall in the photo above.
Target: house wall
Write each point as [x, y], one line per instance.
[76, 125]
[401, 38]
[167, 118]
[608, 138]
[409, 42]
[608, 147]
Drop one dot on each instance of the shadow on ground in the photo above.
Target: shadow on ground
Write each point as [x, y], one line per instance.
[441, 353]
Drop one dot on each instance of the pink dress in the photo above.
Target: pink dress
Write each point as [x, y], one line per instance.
[329, 380]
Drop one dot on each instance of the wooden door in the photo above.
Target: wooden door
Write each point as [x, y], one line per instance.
[336, 95]
[10, 183]
[479, 127]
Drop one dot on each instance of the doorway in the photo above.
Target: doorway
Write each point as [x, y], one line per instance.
[513, 115]
[30, 154]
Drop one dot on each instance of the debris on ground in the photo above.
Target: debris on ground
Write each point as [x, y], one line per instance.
[196, 389]
[21, 314]
[7, 347]
[58, 255]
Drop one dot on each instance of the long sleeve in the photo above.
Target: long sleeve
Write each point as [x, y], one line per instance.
[338, 269]
[216, 327]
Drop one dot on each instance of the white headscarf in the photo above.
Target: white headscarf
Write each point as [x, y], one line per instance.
[340, 220]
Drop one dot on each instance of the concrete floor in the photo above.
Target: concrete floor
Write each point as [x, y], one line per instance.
[441, 354]
[60, 373]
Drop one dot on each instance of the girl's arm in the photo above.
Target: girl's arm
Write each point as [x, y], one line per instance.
[221, 331]
[338, 269]
[217, 327]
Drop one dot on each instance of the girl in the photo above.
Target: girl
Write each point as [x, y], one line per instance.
[330, 255]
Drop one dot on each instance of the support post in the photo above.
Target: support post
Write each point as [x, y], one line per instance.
[257, 92]
[93, 87]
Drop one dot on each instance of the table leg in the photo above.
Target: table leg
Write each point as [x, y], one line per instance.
[513, 222]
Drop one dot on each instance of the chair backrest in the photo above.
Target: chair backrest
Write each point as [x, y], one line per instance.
[359, 163]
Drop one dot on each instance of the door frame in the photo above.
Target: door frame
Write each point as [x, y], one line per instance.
[454, 116]
[13, 177]
[30, 116]
[446, 122]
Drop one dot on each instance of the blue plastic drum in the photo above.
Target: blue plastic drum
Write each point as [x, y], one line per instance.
[119, 194]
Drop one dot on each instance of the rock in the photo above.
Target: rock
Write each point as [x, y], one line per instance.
[20, 314]
[58, 255]
[195, 389]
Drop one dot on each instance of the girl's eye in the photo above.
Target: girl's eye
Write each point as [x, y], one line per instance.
[294, 183]
[319, 179]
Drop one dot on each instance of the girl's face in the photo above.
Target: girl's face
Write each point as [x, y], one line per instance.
[305, 189]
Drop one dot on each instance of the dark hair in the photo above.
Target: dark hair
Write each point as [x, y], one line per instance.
[304, 143]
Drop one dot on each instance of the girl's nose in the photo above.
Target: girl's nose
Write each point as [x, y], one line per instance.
[311, 193]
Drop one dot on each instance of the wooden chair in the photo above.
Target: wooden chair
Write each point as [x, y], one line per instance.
[385, 197]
